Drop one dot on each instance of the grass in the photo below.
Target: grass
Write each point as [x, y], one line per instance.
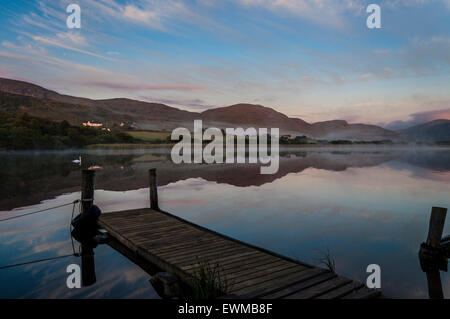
[209, 282]
[327, 260]
[150, 136]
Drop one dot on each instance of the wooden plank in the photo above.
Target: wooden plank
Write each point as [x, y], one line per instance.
[320, 288]
[266, 266]
[263, 290]
[144, 225]
[167, 236]
[205, 247]
[268, 278]
[212, 257]
[264, 273]
[151, 233]
[363, 293]
[281, 293]
[194, 241]
[162, 243]
[341, 291]
[226, 260]
[256, 259]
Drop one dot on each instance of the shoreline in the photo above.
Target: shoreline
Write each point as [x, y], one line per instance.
[282, 147]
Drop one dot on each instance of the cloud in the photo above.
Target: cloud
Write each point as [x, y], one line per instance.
[413, 3]
[419, 118]
[196, 104]
[324, 12]
[73, 38]
[61, 44]
[139, 86]
[144, 16]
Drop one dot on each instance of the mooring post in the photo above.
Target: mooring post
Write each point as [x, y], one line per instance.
[437, 221]
[87, 189]
[434, 284]
[88, 277]
[153, 189]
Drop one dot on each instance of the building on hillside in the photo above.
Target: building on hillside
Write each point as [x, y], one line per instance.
[93, 124]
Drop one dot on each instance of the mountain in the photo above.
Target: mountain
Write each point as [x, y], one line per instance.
[341, 130]
[22, 96]
[434, 131]
[251, 115]
[124, 109]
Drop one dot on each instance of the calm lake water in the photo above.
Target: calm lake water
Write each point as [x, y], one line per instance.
[366, 206]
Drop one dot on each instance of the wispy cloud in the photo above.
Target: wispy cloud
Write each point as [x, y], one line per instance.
[140, 86]
[195, 104]
[324, 12]
[61, 44]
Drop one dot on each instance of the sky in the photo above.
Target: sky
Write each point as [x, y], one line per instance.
[312, 59]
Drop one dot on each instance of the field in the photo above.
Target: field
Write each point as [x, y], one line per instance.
[150, 136]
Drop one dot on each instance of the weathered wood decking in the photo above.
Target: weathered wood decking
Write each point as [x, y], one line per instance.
[176, 245]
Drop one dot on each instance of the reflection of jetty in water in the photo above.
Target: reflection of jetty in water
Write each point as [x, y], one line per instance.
[29, 179]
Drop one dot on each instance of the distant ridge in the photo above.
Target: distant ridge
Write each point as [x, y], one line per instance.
[52, 105]
[434, 131]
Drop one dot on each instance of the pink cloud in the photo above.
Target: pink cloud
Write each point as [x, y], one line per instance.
[137, 87]
[431, 115]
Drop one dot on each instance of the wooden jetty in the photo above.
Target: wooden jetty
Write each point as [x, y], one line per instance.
[176, 246]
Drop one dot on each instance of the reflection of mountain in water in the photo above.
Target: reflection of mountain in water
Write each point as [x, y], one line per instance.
[28, 179]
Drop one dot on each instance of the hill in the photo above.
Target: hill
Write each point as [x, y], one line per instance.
[19, 96]
[434, 131]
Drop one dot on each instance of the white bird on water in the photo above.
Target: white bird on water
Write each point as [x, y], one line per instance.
[77, 161]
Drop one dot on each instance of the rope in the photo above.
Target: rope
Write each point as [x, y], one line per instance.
[40, 211]
[74, 254]
[36, 261]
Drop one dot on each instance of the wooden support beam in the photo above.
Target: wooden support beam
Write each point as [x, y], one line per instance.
[153, 189]
[434, 284]
[87, 189]
[437, 221]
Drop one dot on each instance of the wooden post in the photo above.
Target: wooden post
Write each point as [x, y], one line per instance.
[153, 189]
[434, 285]
[88, 277]
[87, 189]
[437, 221]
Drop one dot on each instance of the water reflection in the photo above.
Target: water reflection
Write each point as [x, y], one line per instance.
[366, 206]
[30, 178]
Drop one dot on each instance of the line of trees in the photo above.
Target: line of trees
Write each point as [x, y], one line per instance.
[21, 131]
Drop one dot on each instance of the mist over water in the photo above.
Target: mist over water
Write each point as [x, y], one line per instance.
[364, 205]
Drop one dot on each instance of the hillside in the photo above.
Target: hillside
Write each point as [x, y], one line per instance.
[123, 109]
[434, 131]
[341, 130]
[255, 116]
[24, 132]
[19, 96]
